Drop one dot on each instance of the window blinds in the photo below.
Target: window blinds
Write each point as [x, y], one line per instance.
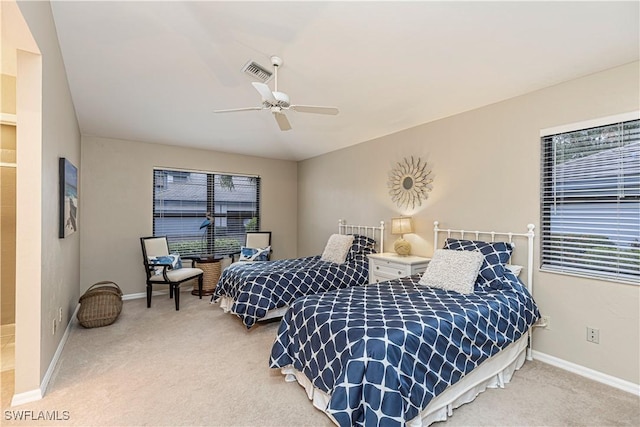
[590, 203]
[183, 200]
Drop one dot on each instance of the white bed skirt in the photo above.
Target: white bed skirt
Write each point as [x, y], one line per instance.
[227, 302]
[492, 373]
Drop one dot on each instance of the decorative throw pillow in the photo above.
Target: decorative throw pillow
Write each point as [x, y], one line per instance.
[176, 262]
[453, 270]
[496, 255]
[337, 248]
[362, 245]
[254, 254]
[173, 260]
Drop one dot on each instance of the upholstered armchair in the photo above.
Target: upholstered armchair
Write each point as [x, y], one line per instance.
[163, 268]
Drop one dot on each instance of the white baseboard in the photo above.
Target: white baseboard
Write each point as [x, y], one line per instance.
[134, 296]
[33, 395]
[609, 380]
[26, 397]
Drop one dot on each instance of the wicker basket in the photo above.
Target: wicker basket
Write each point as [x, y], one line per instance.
[211, 269]
[100, 305]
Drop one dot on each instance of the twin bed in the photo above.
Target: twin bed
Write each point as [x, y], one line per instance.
[258, 291]
[401, 353]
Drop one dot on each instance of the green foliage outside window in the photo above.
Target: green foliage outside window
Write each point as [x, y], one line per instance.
[252, 225]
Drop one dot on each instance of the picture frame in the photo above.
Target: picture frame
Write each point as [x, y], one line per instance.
[68, 198]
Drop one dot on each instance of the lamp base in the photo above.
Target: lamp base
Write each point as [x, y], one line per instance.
[402, 247]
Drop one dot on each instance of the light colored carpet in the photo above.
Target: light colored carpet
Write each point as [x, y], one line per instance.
[200, 367]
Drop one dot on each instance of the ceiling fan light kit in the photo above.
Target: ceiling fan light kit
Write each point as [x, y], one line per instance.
[278, 102]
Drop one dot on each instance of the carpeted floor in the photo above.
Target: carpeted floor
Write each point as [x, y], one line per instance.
[200, 367]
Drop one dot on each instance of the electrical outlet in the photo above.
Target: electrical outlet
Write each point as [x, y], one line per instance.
[593, 335]
[60, 314]
[545, 322]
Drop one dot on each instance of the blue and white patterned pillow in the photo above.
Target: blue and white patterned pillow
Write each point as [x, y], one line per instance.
[362, 245]
[496, 255]
[254, 254]
[172, 259]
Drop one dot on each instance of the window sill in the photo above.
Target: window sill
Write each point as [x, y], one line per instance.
[583, 275]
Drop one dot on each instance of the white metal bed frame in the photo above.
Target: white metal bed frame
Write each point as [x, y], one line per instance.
[529, 235]
[364, 230]
[492, 373]
[510, 235]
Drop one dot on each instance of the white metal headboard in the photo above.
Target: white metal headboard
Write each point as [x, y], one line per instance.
[492, 234]
[374, 232]
[482, 235]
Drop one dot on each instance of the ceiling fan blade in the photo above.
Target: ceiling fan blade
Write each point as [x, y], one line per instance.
[265, 92]
[314, 109]
[232, 110]
[282, 120]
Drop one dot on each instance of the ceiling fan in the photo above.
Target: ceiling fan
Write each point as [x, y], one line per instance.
[278, 102]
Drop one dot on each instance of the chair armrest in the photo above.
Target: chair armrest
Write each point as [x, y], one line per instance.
[160, 264]
[165, 267]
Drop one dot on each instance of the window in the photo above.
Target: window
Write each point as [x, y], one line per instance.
[590, 204]
[183, 199]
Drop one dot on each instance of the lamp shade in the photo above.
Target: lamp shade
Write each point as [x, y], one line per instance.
[401, 225]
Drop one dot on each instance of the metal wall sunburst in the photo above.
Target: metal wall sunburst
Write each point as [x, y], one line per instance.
[409, 182]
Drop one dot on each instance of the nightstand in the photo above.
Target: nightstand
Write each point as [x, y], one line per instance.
[387, 266]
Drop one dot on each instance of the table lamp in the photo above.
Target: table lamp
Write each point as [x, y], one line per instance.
[401, 226]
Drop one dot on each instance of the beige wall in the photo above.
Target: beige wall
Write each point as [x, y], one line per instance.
[117, 196]
[485, 166]
[48, 268]
[8, 204]
[8, 99]
[8, 244]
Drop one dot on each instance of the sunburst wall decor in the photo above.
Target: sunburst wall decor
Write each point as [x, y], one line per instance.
[409, 182]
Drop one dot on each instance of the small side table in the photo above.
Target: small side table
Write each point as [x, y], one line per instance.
[212, 269]
[388, 266]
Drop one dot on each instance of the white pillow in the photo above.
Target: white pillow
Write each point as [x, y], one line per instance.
[515, 269]
[453, 270]
[337, 248]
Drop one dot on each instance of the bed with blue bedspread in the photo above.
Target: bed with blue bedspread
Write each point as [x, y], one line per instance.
[402, 353]
[383, 351]
[256, 289]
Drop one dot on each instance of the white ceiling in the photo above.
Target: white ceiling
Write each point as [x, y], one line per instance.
[155, 71]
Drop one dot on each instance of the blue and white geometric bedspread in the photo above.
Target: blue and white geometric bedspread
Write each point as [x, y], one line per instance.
[258, 287]
[383, 351]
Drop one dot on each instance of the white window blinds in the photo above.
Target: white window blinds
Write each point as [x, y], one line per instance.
[185, 201]
[590, 204]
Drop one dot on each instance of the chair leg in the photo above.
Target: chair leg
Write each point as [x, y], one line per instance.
[177, 294]
[148, 296]
[200, 286]
[170, 290]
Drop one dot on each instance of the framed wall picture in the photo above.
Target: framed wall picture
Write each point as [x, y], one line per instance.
[68, 198]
